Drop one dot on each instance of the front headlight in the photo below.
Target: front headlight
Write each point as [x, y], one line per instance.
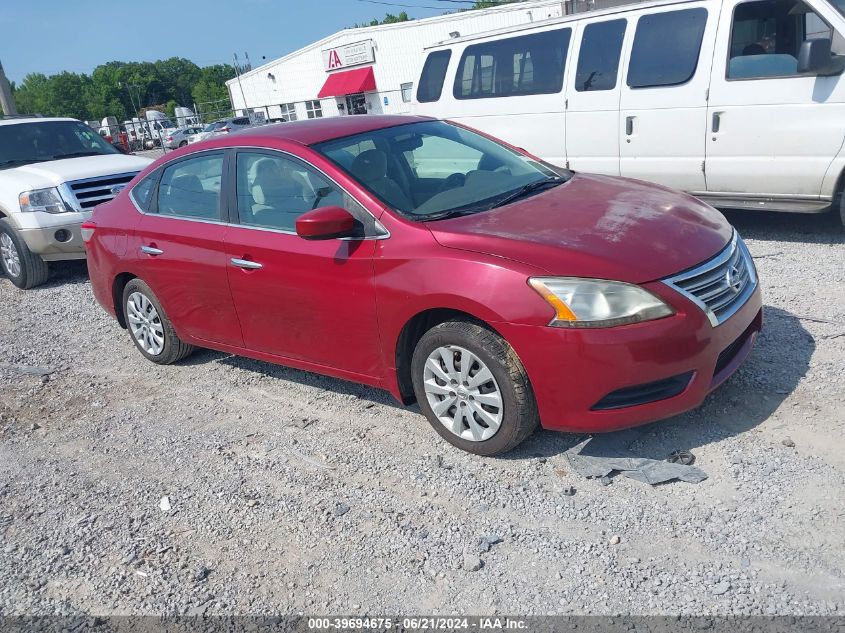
[598, 303]
[44, 200]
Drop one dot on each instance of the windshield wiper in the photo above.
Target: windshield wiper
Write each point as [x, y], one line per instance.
[527, 189]
[19, 162]
[75, 155]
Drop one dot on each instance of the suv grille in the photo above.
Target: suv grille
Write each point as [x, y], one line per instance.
[722, 285]
[93, 191]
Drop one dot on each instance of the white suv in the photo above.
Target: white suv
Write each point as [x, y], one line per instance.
[53, 172]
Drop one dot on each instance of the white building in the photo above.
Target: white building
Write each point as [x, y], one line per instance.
[370, 69]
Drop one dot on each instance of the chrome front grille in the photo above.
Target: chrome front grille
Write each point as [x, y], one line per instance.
[90, 192]
[721, 285]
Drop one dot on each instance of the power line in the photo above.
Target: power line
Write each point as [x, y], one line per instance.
[404, 6]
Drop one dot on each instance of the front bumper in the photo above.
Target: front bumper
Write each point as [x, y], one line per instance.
[43, 234]
[573, 370]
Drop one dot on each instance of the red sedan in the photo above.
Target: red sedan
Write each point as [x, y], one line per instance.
[435, 262]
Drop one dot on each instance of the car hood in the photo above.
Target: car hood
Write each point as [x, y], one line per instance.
[596, 226]
[55, 172]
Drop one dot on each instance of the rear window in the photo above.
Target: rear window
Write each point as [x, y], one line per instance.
[433, 76]
[598, 59]
[666, 48]
[241, 121]
[141, 193]
[524, 65]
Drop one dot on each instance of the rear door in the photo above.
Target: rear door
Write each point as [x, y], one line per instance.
[663, 114]
[312, 301]
[772, 131]
[180, 253]
[593, 92]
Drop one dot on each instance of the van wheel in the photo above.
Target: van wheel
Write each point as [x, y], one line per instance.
[24, 268]
[150, 329]
[473, 389]
[842, 207]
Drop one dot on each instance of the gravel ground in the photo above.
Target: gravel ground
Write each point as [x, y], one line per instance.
[289, 492]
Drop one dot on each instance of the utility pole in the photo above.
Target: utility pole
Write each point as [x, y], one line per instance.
[7, 101]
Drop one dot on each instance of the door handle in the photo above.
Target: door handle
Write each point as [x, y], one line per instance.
[151, 250]
[629, 125]
[246, 264]
[717, 122]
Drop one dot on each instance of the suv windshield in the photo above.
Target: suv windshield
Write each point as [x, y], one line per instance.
[41, 141]
[431, 170]
[839, 5]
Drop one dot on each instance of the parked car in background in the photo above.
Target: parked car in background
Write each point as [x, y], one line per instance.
[427, 259]
[223, 126]
[179, 138]
[741, 102]
[53, 172]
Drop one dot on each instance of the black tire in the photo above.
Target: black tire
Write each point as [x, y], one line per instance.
[183, 143]
[173, 349]
[842, 207]
[34, 270]
[519, 416]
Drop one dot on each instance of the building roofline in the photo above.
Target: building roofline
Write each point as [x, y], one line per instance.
[366, 30]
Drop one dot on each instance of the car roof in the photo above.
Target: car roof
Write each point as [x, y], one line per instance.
[312, 131]
[33, 119]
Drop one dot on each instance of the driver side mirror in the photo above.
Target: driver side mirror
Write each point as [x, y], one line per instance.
[325, 223]
[814, 58]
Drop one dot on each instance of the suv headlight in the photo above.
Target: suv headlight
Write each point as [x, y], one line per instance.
[44, 200]
[597, 303]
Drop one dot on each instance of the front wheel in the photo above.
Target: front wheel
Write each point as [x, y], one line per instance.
[148, 325]
[473, 388]
[24, 268]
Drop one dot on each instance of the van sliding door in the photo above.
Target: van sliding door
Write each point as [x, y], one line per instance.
[593, 90]
[663, 111]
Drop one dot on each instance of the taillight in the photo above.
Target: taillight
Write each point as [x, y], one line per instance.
[88, 230]
[169, 138]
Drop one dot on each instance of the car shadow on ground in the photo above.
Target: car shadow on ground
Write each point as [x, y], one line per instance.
[807, 228]
[777, 364]
[775, 367]
[72, 272]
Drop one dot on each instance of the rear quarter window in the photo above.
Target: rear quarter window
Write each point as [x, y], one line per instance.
[666, 48]
[142, 192]
[433, 76]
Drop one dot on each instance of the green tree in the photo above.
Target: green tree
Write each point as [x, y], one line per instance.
[389, 18]
[210, 92]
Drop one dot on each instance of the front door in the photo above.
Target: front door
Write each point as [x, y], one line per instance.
[771, 130]
[180, 254]
[592, 116]
[312, 301]
[664, 98]
[356, 104]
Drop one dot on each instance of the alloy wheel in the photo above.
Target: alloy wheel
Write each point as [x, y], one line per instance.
[9, 255]
[463, 393]
[145, 323]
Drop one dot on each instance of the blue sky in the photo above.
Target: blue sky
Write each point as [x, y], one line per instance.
[49, 36]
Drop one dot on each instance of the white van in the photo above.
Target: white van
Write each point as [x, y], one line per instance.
[740, 102]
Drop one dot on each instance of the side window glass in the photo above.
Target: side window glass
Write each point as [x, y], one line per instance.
[666, 48]
[766, 36]
[141, 192]
[524, 65]
[191, 188]
[433, 75]
[598, 59]
[273, 191]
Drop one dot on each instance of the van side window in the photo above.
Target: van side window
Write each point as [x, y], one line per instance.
[598, 59]
[666, 48]
[433, 75]
[524, 65]
[766, 36]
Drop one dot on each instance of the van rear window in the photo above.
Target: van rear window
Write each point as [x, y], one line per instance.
[666, 48]
[524, 65]
[433, 75]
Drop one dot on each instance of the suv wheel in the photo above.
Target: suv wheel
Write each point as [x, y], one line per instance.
[24, 268]
[148, 325]
[473, 389]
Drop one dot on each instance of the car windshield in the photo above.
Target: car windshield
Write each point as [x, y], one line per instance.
[839, 5]
[41, 141]
[431, 170]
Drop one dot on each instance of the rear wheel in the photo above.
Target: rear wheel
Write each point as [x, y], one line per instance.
[842, 207]
[183, 143]
[150, 329]
[24, 268]
[473, 389]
